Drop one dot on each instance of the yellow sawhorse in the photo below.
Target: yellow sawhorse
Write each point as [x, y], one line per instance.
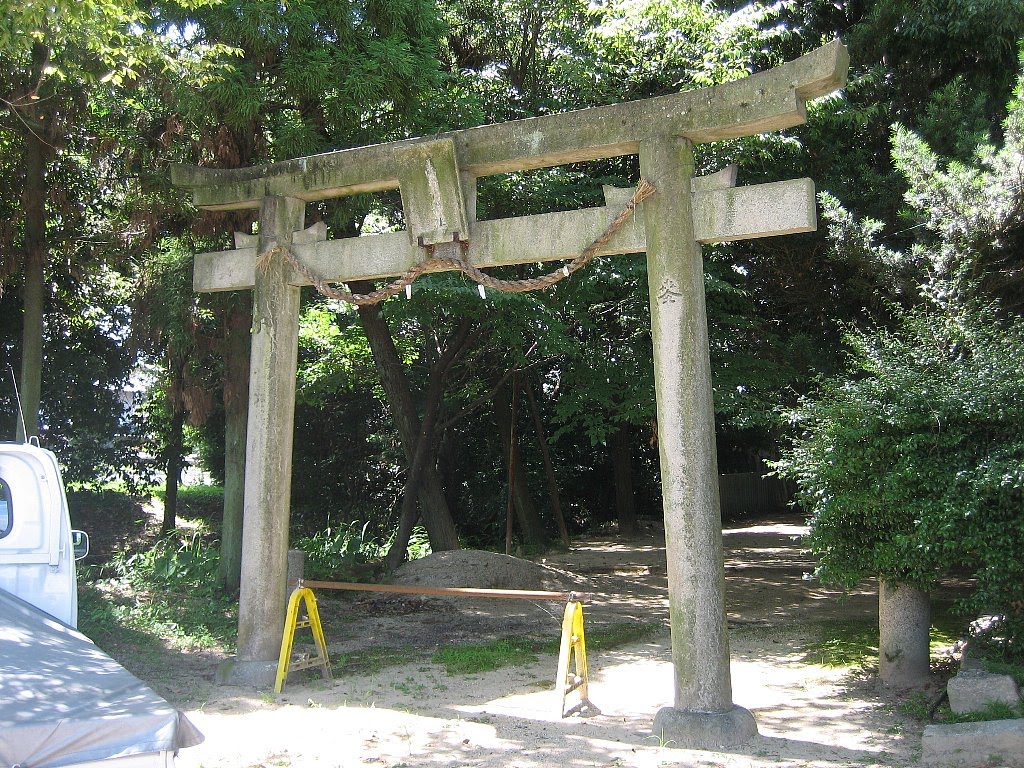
[573, 652]
[292, 622]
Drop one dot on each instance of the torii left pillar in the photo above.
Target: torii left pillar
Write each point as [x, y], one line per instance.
[268, 471]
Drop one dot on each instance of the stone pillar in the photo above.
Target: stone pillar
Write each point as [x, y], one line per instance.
[704, 715]
[296, 571]
[904, 634]
[268, 467]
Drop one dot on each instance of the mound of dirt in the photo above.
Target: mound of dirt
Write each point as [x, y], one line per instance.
[482, 570]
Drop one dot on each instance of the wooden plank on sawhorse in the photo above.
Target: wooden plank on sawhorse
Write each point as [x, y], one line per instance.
[292, 623]
[573, 653]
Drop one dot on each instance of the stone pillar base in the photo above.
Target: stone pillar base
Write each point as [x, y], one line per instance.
[251, 674]
[683, 729]
[904, 624]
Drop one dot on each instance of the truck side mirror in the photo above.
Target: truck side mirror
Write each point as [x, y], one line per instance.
[80, 544]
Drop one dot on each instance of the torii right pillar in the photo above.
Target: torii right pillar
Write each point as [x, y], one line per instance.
[704, 715]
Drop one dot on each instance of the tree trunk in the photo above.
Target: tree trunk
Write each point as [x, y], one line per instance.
[33, 296]
[407, 519]
[437, 518]
[236, 412]
[425, 454]
[549, 470]
[621, 446]
[530, 525]
[512, 456]
[175, 446]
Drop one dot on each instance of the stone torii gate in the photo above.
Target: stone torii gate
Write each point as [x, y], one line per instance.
[437, 179]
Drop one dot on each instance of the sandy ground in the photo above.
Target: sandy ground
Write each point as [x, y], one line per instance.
[418, 715]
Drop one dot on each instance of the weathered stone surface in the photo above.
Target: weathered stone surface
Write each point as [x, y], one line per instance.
[296, 569]
[545, 237]
[904, 624]
[686, 434]
[975, 745]
[432, 193]
[767, 101]
[261, 675]
[681, 729]
[719, 214]
[974, 690]
[760, 210]
[268, 475]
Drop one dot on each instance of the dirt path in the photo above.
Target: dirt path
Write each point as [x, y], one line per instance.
[415, 714]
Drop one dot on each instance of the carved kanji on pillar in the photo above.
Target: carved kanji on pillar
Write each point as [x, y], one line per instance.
[437, 180]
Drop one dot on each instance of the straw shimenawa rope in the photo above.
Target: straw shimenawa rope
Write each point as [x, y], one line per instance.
[459, 263]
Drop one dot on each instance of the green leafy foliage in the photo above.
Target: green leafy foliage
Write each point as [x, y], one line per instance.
[340, 552]
[912, 467]
[200, 503]
[167, 591]
[845, 645]
[321, 76]
[994, 711]
[910, 464]
[373, 660]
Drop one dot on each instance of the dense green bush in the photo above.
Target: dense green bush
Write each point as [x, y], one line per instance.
[167, 592]
[912, 466]
[350, 551]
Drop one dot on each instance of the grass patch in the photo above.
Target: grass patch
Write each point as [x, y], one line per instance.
[167, 592]
[610, 636]
[994, 711]
[855, 644]
[110, 613]
[373, 660]
[100, 619]
[852, 644]
[197, 502]
[515, 651]
[484, 657]
[110, 502]
[917, 707]
[941, 642]
[1016, 671]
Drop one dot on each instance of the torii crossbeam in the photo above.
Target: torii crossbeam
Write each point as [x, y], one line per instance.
[437, 179]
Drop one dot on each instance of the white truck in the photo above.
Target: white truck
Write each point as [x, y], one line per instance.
[63, 702]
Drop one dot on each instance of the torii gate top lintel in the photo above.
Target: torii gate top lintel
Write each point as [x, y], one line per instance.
[767, 101]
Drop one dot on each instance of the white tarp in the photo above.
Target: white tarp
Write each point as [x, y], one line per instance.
[63, 701]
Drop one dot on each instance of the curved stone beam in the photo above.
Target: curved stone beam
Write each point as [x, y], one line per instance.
[763, 102]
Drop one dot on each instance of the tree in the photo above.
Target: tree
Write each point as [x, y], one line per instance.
[169, 323]
[417, 433]
[909, 464]
[911, 468]
[56, 60]
[322, 76]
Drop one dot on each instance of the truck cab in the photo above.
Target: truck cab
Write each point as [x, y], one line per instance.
[63, 702]
[37, 556]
